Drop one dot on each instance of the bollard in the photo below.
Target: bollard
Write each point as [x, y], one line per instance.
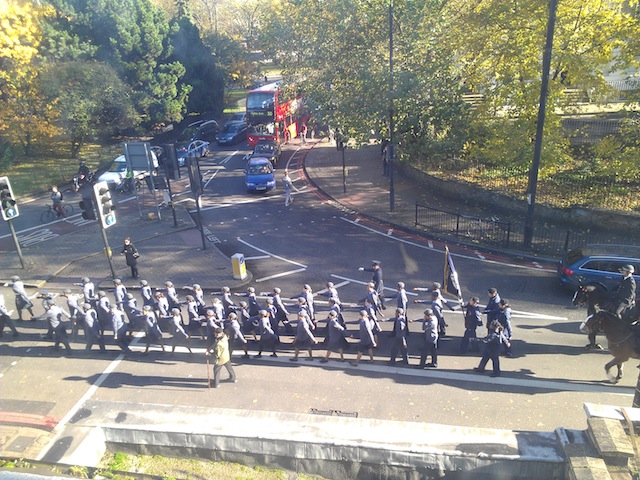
[239, 267]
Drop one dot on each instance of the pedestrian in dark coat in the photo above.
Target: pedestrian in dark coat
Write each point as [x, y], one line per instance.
[493, 306]
[131, 255]
[472, 320]
[376, 278]
[492, 348]
[504, 317]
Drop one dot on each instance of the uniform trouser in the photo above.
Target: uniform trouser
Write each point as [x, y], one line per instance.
[469, 333]
[6, 320]
[121, 340]
[429, 348]
[495, 361]
[399, 345]
[216, 373]
[92, 336]
[60, 333]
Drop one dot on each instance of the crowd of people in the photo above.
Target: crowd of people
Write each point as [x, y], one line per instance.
[173, 317]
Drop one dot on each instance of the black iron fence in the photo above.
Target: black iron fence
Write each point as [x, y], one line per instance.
[495, 232]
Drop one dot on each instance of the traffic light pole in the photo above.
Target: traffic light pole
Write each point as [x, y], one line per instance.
[16, 242]
[107, 250]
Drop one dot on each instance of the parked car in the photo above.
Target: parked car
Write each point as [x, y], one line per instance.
[259, 175]
[196, 149]
[597, 263]
[238, 117]
[232, 133]
[206, 131]
[268, 148]
[118, 171]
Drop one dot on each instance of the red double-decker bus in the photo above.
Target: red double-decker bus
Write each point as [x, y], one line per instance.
[271, 115]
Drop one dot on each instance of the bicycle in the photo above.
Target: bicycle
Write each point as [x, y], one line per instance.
[49, 215]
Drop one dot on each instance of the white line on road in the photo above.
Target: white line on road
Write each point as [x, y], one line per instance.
[213, 175]
[525, 267]
[341, 284]
[278, 275]
[258, 257]
[273, 255]
[226, 159]
[480, 256]
[352, 280]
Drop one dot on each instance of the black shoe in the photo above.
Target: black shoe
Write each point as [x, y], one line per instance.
[431, 365]
[477, 369]
[324, 360]
[494, 375]
[258, 356]
[274, 355]
[293, 359]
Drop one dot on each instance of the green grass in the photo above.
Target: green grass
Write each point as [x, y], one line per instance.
[51, 164]
[234, 101]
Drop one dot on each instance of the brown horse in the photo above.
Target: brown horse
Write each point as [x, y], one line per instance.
[620, 335]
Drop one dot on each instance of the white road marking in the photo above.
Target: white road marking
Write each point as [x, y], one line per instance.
[278, 275]
[537, 265]
[36, 237]
[258, 257]
[213, 175]
[273, 255]
[430, 244]
[390, 232]
[324, 290]
[467, 257]
[480, 256]
[352, 280]
[226, 159]
[88, 394]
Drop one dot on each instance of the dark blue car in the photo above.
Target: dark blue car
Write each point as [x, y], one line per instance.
[597, 263]
[259, 175]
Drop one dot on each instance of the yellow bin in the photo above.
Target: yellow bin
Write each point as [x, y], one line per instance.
[239, 267]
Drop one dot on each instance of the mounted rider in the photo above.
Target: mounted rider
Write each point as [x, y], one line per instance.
[624, 297]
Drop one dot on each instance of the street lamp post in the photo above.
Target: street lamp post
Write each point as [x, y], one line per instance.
[537, 151]
[391, 147]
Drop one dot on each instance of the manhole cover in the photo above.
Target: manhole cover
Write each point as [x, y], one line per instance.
[20, 444]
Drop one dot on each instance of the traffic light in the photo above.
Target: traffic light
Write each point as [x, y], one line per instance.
[104, 204]
[7, 200]
[86, 205]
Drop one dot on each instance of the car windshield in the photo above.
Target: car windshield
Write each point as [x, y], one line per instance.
[118, 167]
[259, 169]
[264, 149]
[231, 128]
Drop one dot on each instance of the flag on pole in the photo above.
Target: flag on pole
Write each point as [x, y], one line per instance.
[451, 284]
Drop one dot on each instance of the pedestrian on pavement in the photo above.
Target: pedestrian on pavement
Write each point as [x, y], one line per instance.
[287, 186]
[494, 340]
[120, 328]
[153, 333]
[304, 338]
[147, 293]
[179, 336]
[56, 198]
[385, 158]
[131, 255]
[5, 319]
[399, 338]
[303, 134]
[23, 302]
[504, 317]
[472, 320]
[429, 339]
[268, 338]
[119, 293]
[194, 323]
[376, 278]
[54, 315]
[492, 308]
[367, 339]
[92, 328]
[222, 357]
[336, 334]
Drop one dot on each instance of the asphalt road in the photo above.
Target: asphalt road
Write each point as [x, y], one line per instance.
[543, 386]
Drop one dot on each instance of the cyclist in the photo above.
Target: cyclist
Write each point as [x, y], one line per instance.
[56, 198]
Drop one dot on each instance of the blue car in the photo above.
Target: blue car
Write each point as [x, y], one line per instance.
[259, 175]
[232, 133]
[597, 263]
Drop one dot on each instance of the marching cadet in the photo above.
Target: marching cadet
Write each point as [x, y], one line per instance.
[436, 306]
[401, 297]
[162, 305]
[373, 319]
[212, 323]
[273, 316]
[180, 337]
[23, 302]
[254, 308]
[152, 329]
[88, 290]
[134, 314]
[372, 297]
[54, 314]
[236, 338]
[437, 288]
[268, 338]
[492, 308]
[74, 311]
[472, 320]
[5, 319]
[376, 279]
[172, 297]
[336, 334]
[193, 316]
[304, 338]
[227, 302]
[399, 338]
[248, 324]
[282, 314]
[92, 328]
[429, 339]
[198, 294]
[147, 293]
[332, 292]
[104, 311]
[120, 293]
[504, 317]
[307, 294]
[367, 340]
[492, 342]
[120, 328]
